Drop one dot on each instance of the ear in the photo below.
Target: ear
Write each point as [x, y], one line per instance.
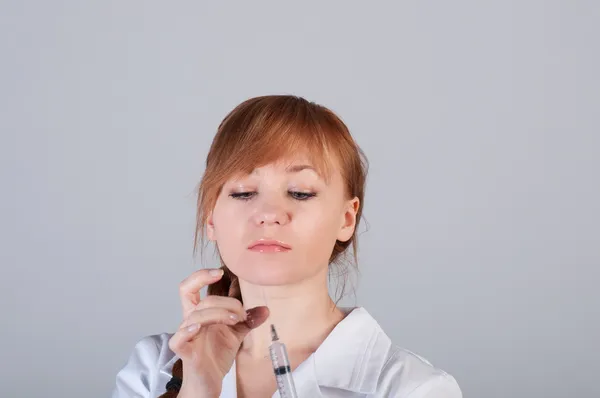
[210, 227]
[348, 220]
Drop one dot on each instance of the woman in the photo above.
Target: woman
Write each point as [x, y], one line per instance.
[281, 198]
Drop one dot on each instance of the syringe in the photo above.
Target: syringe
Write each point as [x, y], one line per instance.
[281, 367]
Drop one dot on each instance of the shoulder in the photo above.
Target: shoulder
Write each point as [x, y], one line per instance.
[359, 357]
[141, 372]
[408, 375]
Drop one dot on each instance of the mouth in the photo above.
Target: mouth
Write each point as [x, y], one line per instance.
[269, 246]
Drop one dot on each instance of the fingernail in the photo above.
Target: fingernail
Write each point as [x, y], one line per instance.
[234, 317]
[193, 327]
[256, 314]
[249, 319]
[255, 311]
[215, 272]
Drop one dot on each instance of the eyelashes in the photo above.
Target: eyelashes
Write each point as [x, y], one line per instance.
[302, 196]
[242, 195]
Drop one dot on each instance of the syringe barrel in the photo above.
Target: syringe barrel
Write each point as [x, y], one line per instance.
[283, 370]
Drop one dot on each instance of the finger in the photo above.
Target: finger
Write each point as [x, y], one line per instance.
[189, 288]
[211, 316]
[228, 303]
[183, 336]
[255, 317]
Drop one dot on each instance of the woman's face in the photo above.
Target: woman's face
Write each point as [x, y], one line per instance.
[278, 225]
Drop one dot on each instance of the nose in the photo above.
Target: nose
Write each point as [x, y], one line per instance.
[271, 214]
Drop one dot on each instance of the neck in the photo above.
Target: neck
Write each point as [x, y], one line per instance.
[304, 314]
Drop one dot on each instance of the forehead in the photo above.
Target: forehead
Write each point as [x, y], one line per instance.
[325, 169]
[291, 164]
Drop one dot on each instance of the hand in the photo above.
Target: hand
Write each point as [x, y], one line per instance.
[211, 333]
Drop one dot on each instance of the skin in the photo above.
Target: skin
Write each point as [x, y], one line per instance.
[284, 201]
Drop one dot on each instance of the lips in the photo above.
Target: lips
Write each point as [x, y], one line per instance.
[269, 246]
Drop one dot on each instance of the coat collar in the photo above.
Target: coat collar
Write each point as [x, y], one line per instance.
[350, 358]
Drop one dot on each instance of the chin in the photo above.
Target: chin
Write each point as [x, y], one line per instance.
[266, 271]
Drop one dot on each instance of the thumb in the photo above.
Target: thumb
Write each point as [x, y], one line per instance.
[254, 318]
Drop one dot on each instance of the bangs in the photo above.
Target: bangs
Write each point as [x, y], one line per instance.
[256, 134]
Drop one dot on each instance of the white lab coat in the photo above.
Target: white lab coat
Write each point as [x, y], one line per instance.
[357, 359]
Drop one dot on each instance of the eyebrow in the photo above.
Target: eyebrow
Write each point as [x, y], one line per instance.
[299, 168]
[294, 169]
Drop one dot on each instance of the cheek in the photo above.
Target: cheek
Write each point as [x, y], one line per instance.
[228, 226]
[318, 230]
[229, 240]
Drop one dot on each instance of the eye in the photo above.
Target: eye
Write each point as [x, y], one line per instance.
[302, 195]
[242, 195]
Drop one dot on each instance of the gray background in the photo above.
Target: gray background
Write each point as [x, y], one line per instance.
[480, 120]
